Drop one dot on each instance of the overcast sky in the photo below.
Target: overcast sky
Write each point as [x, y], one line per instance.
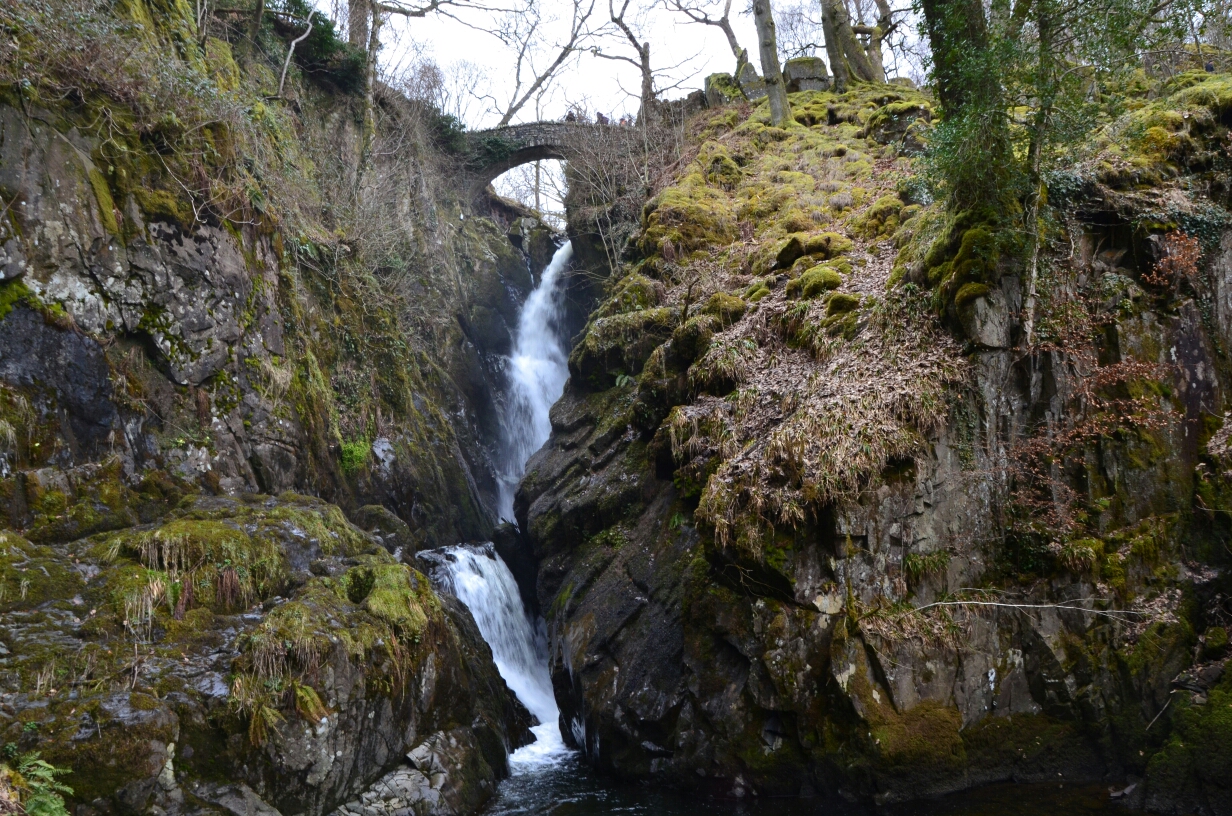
[691, 51]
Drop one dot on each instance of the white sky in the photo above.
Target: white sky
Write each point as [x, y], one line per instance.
[600, 84]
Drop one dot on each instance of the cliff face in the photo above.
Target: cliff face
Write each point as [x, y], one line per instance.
[204, 316]
[813, 520]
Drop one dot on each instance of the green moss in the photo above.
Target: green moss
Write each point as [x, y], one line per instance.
[718, 166]
[1195, 765]
[841, 303]
[758, 290]
[162, 205]
[633, 293]
[691, 339]
[927, 736]
[827, 245]
[222, 64]
[354, 456]
[688, 216]
[815, 282]
[882, 218]
[106, 204]
[13, 293]
[620, 344]
[397, 597]
[31, 575]
[727, 308]
[969, 293]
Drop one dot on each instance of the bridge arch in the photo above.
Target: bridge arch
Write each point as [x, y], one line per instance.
[498, 150]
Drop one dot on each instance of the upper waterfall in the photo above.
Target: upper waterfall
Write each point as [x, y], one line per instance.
[538, 369]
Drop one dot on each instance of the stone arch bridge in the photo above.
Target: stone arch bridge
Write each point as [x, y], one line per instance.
[496, 150]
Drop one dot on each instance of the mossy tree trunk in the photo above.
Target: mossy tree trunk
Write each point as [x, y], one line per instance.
[776, 90]
[1047, 71]
[843, 47]
[972, 146]
[834, 52]
[357, 22]
[876, 36]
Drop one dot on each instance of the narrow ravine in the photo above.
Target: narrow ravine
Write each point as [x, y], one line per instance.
[476, 575]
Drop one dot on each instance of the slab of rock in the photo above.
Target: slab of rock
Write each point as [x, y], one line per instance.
[806, 74]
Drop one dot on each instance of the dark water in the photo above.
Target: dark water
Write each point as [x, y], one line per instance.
[571, 789]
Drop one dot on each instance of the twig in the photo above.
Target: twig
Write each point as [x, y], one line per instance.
[1162, 710]
[290, 52]
[1115, 615]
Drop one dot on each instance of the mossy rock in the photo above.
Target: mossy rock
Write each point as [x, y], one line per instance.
[882, 218]
[719, 167]
[782, 254]
[691, 340]
[757, 290]
[633, 293]
[620, 343]
[381, 522]
[828, 245]
[1194, 768]
[31, 575]
[815, 282]
[970, 293]
[689, 216]
[842, 303]
[727, 308]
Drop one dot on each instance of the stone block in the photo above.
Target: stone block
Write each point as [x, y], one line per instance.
[806, 74]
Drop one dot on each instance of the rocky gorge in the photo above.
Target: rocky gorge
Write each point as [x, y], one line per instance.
[820, 514]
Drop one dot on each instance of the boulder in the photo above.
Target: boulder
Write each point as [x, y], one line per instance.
[806, 74]
[753, 86]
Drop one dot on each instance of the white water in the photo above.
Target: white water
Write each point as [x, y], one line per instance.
[480, 579]
[477, 576]
[538, 369]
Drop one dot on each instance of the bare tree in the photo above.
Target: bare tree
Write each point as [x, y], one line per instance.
[523, 31]
[798, 29]
[624, 27]
[698, 11]
[776, 90]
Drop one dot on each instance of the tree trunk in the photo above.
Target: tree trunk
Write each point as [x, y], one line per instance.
[956, 33]
[853, 55]
[838, 66]
[776, 90]
[254, 29]
[649, 112]
[357, 23]
[876, 35]
[368, 131]
[1035, 159]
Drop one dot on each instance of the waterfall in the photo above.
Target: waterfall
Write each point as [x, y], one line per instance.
[537, 372]
[477, 577]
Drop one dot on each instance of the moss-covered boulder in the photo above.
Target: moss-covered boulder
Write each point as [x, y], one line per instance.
[815, 282]
[224, 647]
[619, 344]
[727, 308]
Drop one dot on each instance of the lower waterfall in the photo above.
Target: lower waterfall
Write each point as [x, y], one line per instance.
[477, 577]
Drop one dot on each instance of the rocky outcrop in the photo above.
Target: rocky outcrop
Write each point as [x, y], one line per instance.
[274, 659]
[191, 325]
[192, 341]
[743, 600]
